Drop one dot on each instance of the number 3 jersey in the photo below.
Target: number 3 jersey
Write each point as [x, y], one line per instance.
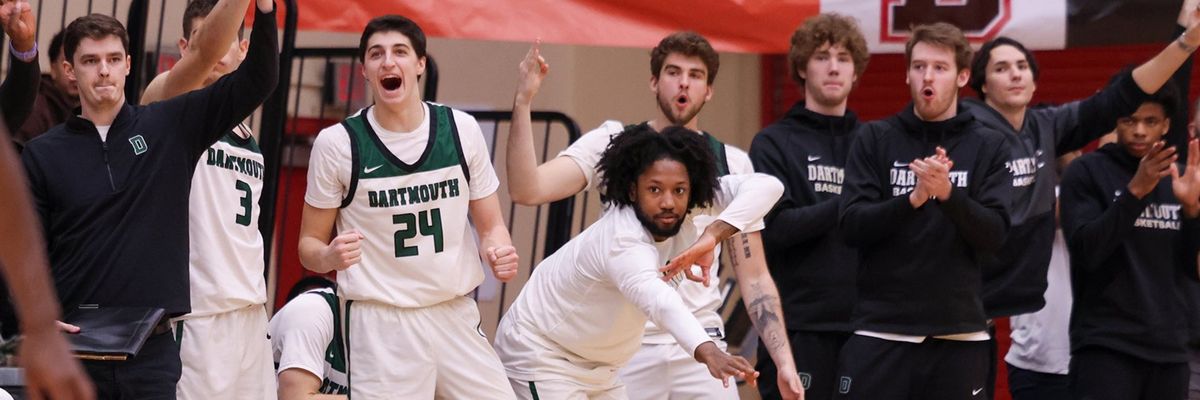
[408, 194]
[226, 257]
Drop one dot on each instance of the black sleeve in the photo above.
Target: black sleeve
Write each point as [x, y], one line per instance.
[37, 191]
[205, 115]
[1177, 134]
[982, 219]
[1188, 259]
[1080, 122]
[19, 91]
[868, 213]
[1093, 226]
[790, 223]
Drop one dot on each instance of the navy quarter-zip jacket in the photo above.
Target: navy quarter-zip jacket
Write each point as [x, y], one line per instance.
[115, 213]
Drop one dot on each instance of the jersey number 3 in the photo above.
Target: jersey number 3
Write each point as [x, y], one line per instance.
[430, 224]
[243, 219]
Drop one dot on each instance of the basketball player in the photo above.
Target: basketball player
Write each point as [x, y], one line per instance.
[1133, 238]
[398, 180]
[306, 341]
[925, 192]
[807, 149]
[683, 67]
[551, 340]
[223, 342]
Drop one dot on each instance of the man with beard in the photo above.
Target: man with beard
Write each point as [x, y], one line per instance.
[1004, 74]
[683, 67]
[552, 343]
[807, 149]
[925, 191]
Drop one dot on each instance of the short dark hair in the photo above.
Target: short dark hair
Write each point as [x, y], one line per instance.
[393, 23]
[95, 27]
[689, 44]
[200, 9]
[56, 45]
[984, 56]
[310, 282]
[633, 151]
[943, 35]
[832, 28]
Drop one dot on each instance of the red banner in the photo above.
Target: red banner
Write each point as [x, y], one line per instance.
[753, 26]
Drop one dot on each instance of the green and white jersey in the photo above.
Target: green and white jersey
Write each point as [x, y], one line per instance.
[226, 254]
[307, 334]
[409, 194]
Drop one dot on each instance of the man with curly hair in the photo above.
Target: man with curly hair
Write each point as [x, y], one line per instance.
[683, 67]
[807, 149]
[551, 341]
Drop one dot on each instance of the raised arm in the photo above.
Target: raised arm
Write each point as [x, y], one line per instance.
[206, 47]
[207, 114]
[20, 87]
[529, 183]
[1151, 75]
[50, 370]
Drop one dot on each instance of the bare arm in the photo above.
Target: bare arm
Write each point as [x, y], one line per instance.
[495, 244]
[1152, 75]
[558, 178]
[320, 254]
[49, 367]
[762, 301]
[205, 49]
[298, 384]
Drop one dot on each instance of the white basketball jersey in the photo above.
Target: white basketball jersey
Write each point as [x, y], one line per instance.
[226, 255]
[419, 249]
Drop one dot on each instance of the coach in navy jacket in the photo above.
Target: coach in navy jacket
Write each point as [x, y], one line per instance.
[114, 210]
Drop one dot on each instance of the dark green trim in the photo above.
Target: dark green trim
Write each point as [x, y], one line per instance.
[719, 155]
[236, 140]
[179, 332]
[533, 390]
[355, 164]
[349, 383]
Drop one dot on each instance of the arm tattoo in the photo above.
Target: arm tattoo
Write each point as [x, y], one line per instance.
[745, 245]
[762, 307]
[734, 260]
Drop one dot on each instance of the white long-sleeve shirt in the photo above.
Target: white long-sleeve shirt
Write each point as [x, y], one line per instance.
[745, 209]
[582, 314]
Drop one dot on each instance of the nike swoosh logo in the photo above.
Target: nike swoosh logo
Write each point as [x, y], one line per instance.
[370, 170]
[813, 158]
[976, 391]
[898, 164]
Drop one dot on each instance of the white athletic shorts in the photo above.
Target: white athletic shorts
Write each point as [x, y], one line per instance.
[665, 371]
[225, 356]
[560, 389]
[421, 353]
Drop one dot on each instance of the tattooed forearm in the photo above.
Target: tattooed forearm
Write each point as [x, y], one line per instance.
[762, 302]
[745, 246]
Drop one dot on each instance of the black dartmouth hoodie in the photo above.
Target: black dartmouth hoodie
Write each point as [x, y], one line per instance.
[919, 272]
[810, 262]
[1132, 260]
[1014, 278]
